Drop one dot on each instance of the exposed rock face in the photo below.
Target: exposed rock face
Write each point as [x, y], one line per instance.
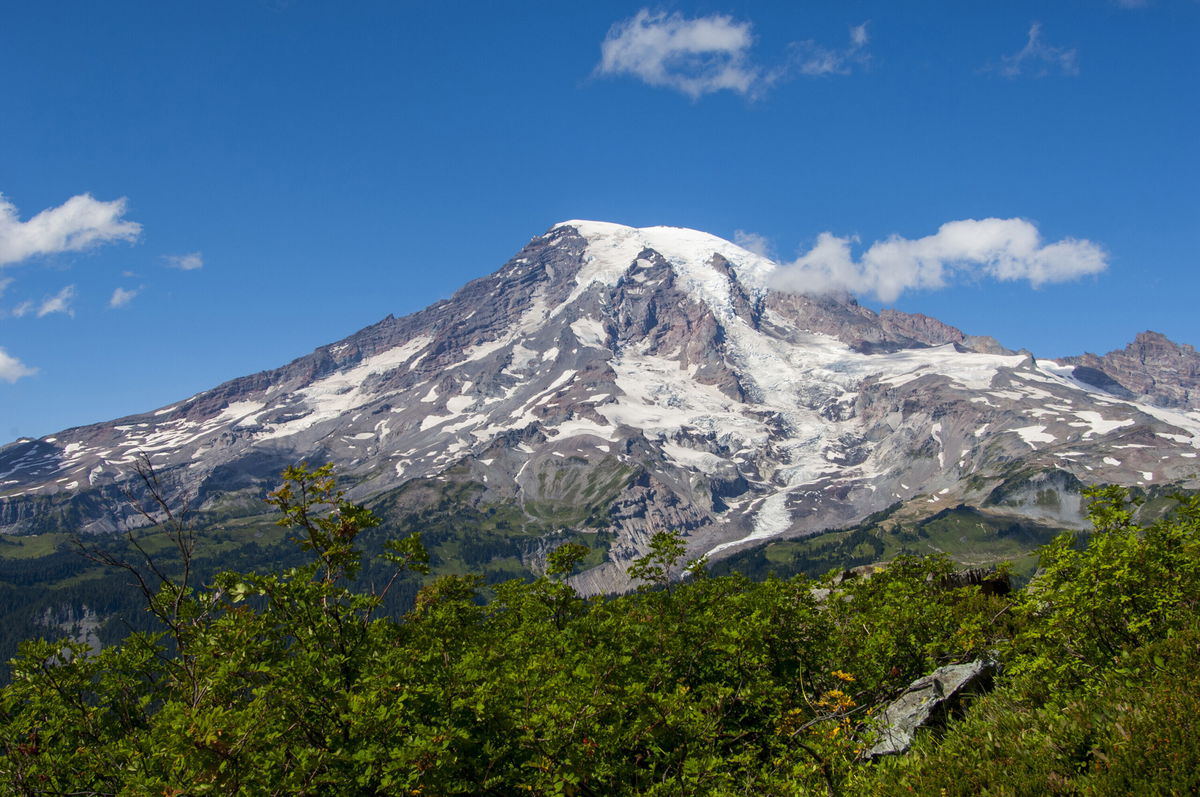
[923, 329]
[77, 623]
[919, 327]
[926, 702]
[1152, 368]
[989, 580]
[640, 380]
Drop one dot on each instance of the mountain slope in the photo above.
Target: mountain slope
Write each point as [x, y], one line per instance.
[642, 379]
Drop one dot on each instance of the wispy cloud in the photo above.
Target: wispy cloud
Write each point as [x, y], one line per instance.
[1039, 59]
[1000, 249]
[58, 303]
[753, 242]
[12, 369]
[188, 262]
[703, 55]
[122, 297]
[4, 283]
[815, 60]
[79, 223]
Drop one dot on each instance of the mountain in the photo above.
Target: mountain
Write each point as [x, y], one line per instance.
[634, 380]
[1152, 368]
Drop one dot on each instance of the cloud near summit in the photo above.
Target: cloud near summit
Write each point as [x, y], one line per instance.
[1000, 249]
[704, 55]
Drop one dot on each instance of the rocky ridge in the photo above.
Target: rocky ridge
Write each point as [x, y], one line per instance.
[1152, 368]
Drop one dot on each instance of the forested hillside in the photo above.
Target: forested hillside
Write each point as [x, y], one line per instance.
[291, 682]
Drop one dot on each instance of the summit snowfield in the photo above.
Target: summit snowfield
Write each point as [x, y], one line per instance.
[655, 377]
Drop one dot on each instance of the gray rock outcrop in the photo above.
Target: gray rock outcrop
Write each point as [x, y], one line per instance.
[926, 702]
[1152, 367]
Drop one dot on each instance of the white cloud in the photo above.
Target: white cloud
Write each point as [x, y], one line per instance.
[694, 56]
[708, 54]
[122, 297]
[752, 242]
[188, 262]
[58, 303]
[12, 369]
[4, 283]
[814, 60]
[76, 224]
[1038, 59]
[1001, 249]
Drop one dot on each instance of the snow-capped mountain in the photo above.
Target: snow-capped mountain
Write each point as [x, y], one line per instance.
[655, 374]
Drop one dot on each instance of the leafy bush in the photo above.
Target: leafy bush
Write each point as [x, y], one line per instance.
[1102, 689]
[291, 682]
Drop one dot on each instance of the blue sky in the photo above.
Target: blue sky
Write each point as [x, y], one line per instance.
[224, 186]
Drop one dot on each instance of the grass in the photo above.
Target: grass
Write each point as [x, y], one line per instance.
[970, 537]
[31, 546]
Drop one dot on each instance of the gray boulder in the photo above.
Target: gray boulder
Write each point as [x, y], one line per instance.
[927, 701]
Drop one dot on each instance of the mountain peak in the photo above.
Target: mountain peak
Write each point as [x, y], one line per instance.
[681, 243]
[637, 379]
[710, 268]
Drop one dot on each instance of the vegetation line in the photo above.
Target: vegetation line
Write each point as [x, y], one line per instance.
[298, 682]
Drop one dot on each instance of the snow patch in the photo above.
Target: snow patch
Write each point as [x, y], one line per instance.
[936, 432]
[702, 461]
[589, 332]
[521, 357]
[343, 391]
[1097, 423]
[773, 518]
[1034, 435]
[579, 427]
